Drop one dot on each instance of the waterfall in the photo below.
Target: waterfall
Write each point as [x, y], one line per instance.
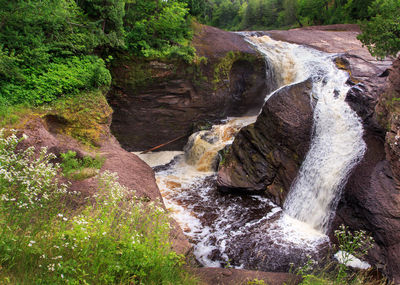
[251, 231]
[337, 144]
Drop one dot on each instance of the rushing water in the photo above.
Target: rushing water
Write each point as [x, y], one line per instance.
[337, 143]
[250, 231]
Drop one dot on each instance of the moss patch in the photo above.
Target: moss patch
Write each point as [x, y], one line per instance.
[223, 67]
[343, 64]
[85, 117]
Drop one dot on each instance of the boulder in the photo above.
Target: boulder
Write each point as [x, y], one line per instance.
[267, 155]
[155, 102]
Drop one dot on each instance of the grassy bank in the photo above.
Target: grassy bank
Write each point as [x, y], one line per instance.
[115, 238]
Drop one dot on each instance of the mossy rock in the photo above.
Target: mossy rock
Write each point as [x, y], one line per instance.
[85, 117]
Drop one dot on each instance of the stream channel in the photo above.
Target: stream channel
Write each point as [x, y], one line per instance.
[250, 231]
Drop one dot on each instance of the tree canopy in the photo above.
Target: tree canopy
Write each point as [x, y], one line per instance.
[379, 19]
[381, 34]
[50, 48]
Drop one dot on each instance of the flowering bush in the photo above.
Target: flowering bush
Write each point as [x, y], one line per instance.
[26, 181]
[118, 239]
[351, 244]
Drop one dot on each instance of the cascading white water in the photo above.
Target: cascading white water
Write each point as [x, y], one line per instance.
[224, 227]
[337, 143]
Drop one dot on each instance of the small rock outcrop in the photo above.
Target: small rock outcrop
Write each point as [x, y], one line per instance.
[267, 155]
[227, 276]
[155, 102]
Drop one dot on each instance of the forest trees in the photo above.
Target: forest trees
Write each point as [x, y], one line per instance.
[50, 48]
[382, 33]
[379, 19]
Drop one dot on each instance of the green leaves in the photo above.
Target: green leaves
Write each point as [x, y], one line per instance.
[116, 238]
[46, 45]
[381, 34]
[65, 76]
[163, 32]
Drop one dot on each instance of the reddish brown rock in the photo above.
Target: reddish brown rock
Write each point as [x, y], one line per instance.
[133, 173]
[371, 198]
[267, 155]
[155, 102]
[225, 276]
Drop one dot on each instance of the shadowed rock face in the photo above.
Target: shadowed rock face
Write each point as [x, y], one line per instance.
[155, 102]
[267, 155]
[371, 199]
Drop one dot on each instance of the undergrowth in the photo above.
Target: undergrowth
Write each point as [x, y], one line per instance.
[115, 239]
[80, 168]
[351, 245]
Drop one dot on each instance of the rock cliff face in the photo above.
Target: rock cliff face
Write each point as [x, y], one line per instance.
[266, 155]
[371, 199]
[155, 102]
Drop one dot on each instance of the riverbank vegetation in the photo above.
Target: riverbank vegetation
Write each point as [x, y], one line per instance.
[51, 49]
[115, 238]
[56, 55]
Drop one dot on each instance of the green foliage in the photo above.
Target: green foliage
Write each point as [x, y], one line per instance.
[80, 168]
[116, 240]
[265, 14]
[381, 34]
[163, 33]
[47, 47]
[19, 196]
[256, 282]
[42, 54]
[108, 15]
[313, 11]
[64, 76]
[351, 244]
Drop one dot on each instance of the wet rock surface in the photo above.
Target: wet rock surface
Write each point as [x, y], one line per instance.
[342, 39]
[244, 230]
[155, 102]
[267, 155]
[371, 199]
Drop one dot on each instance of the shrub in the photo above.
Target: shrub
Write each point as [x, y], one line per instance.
[350, 244]
[79, 169]
[65, 76]
[27, 181]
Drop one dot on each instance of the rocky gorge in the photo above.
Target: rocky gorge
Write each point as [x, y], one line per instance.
[370, 198]
[155, 102]
[266, 156]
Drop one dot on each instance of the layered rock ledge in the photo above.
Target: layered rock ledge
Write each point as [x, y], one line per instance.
[155, 102]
